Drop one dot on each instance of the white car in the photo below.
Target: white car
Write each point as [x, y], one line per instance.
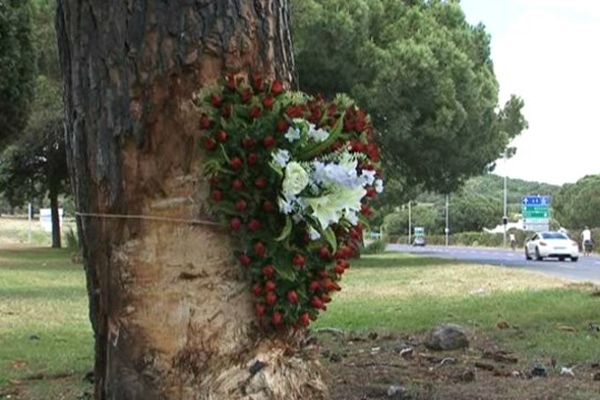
[551, 244]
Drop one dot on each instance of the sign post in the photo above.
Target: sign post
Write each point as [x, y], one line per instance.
[536, 213]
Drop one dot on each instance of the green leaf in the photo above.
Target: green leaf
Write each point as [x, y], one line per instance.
[286, 272]
[224, 153]
[329, 235]
[318, 148]
[287, 229]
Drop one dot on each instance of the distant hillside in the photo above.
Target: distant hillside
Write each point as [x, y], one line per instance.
[492, 187]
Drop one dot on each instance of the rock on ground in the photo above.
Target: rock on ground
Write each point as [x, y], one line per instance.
[447, 337]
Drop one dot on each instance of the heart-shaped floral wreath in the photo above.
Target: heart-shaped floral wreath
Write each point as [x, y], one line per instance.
[291, 176]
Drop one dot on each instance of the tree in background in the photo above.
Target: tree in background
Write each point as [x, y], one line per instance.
[35, 165]
[471, 212]
[425, 215]
[425, 75]
[17, 68]
[578, 204]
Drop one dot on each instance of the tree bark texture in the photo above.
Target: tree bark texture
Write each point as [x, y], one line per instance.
[171, 312]
[55, 217]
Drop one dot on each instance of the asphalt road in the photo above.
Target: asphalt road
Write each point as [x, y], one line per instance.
[587, 269]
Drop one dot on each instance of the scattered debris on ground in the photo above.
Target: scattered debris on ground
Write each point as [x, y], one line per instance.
[373, 366]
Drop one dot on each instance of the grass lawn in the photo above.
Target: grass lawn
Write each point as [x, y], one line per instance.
[46, 340]
[401, 293]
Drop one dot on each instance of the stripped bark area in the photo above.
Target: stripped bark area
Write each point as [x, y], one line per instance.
[170, 308]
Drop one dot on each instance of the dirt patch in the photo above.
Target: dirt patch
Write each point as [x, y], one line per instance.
[393, 366]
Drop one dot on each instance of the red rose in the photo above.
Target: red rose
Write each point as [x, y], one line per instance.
[238, 184]
[332, 110]
[360, 125]
[304, 320]
[222, 136]
[261, 310]
[268, 206]
[371, 192]
[252, 159]
[276, 88]
[268, 102]
[217, 195]
[299, 261]
[271, 298]
[324, 253]
[315, 286]
[295, 111]
[214, 181]
[257, 290]
[245, 260]
[339, 269]
[248, 143]
[241, 205]
[269, 142]
[227, 110]
[292, 297]
[216, 100]
[315, 116]
[210, 144]
[373, 152]
[282, 126]
[205, 122]
[349, 126]
[329, 285]
[277, 319]
[268, 271]
[270, 286]
[257, 82]
[231, 82]
[366, 211]
[254, 225]
[246, 96]
[260, 250]
[261, 182]
[236, 224]
[255, 112]
[236, 163]
[317, 303]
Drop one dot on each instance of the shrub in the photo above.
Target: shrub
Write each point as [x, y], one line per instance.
[376, 247]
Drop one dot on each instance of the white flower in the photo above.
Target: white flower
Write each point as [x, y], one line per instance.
[292, 134]
[313, 233]
[378, 185]
[318, 135]
[281, 157]
[368, 177]
[296, 179]
[329, 209]
[352, 217]
[286, 205]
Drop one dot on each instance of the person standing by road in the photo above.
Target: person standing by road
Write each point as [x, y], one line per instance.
[513, 241]
[586, 241]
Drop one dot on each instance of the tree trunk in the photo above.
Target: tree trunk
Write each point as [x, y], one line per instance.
[171, 312]
[53, 195]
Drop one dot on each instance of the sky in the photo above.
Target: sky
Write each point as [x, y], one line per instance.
[548, 53]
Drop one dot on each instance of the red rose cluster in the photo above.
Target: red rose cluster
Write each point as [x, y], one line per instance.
[243, 122]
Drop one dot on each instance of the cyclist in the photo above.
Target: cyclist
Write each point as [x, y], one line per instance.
[513, 241]
[586, 241]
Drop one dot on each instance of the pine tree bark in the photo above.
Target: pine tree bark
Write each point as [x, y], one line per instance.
[170, 310]
[55, 218]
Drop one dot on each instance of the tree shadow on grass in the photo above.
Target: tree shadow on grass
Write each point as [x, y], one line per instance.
[395, 260]
[46, 293]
